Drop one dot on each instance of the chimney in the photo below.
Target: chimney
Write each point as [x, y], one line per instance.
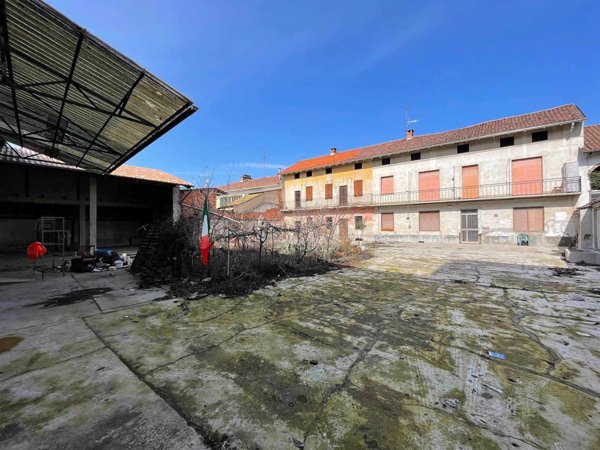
[332, 151]
[245, 177]
[410, 134]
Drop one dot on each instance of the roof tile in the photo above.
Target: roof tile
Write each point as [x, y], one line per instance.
[554, 116]
[591, 138]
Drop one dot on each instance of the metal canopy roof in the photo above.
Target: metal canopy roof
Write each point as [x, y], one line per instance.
[66, 94]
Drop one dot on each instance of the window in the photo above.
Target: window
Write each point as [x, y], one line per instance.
[387, 221]
[358, 166]
[328, 191]
[415, 156]
[527, 176]
[385, 161]
[296, 176]
[359, 223]
[328, 171]
[358, 188]
[329, 222]
[309, 193]
[528, 219]
[507, 141]
[298, 199]
[309, 173]
[462, 148]
[387, 185]
[539, 136]
[297, 224]
[429, 221]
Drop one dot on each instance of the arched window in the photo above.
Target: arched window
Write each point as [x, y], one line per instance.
[595, 179]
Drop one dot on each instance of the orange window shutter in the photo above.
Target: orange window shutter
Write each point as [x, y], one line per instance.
[527, 176]
[387, 185]
[387, 221]
[309, 193]
[429, 221]
[358, 188]
[329, 191]
[429, 185]
[470, 181]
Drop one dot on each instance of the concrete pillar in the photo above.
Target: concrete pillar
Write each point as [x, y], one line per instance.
[176, 204]
[93, 212]
[82, 224]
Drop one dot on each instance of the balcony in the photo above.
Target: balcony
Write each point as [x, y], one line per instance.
[539, 188]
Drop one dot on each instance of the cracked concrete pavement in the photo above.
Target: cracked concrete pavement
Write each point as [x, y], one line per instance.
[390, 354]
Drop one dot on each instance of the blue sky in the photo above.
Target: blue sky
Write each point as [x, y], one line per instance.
[279, 81]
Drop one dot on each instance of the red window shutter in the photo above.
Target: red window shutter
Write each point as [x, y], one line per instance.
[387, 221]
[329, 191]
[358, 188]
[527, 176]
[429, 221]
[520, 219]
[309, 193]
[387, 185]
[470, 181]
[429, 186]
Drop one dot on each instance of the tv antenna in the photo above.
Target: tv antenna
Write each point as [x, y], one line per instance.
[409, 121]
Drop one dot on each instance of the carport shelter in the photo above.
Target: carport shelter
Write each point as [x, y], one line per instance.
[72, 111]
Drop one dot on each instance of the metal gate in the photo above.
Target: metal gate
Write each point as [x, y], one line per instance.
[469, 226]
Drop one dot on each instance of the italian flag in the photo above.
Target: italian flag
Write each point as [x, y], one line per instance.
[205, 243]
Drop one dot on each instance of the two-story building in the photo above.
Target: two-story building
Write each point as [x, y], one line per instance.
[489, 182]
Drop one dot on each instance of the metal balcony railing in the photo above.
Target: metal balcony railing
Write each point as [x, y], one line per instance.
[550, 186]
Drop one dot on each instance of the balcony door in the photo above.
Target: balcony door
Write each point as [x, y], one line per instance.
[429, 186]
[527, 176]
[470, 181]
[343, 195]
[297, 199]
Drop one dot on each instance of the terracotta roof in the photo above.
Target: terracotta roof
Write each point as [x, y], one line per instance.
[142, 173]
[591, 138]
[554, 116]
[27, 156]
[253, 183]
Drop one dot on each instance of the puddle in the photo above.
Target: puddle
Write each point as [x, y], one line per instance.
[9, 342]
[70, 298]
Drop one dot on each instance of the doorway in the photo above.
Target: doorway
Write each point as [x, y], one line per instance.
[343, 230]
[469, 226]
[343, 195]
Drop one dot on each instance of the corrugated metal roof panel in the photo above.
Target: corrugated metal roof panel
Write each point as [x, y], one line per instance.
[69, 95]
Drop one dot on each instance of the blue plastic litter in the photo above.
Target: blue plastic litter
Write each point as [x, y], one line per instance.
[497, 355]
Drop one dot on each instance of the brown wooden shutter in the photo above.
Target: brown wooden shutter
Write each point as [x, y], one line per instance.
[329, 191]
[429, 186]
[358, 188]
[298, 199]
[309, 193]
[387, 185]
[429, 221]
[527, 176]
[520, 219]
[470, 181]
[535, 219]
[387, 221]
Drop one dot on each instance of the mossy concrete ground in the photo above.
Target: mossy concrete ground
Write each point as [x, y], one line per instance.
[390, 354]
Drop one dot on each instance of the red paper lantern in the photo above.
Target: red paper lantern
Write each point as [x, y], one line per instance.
[36, 250]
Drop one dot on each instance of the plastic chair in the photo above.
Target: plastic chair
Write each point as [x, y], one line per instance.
[523, 239]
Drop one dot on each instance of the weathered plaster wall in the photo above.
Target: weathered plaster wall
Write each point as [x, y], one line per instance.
[494, 162]
[495, 221]
[341, 176]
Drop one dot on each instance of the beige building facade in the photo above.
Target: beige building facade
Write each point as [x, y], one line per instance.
[510, 180]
